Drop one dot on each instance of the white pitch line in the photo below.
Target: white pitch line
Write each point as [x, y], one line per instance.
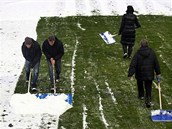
[84, 116]
[79, 26]
[73, 69]
[111, 93]
[101, 107]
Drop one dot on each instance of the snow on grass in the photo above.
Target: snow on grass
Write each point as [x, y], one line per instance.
[101, 107]
[111, 93]
[73, 69]
[84, 116]
[79, 26]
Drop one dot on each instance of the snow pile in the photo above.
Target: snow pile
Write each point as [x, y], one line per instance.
[30, 104]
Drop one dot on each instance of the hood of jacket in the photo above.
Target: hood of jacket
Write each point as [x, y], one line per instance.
[144, 51]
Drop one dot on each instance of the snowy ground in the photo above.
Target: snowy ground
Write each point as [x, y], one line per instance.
[19, 19]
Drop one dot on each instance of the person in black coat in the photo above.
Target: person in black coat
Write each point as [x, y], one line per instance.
[32, 53]
[127, 31]
[53, 50]
[143, 65]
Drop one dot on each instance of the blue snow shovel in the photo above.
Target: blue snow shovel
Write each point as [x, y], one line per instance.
[107, 37]
[161, 115]
[46, 95]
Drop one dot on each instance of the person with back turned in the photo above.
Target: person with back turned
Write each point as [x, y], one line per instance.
[127, 30]
[144, 65]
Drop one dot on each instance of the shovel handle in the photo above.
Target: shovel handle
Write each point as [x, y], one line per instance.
[30, 76]
[54, 80]
[159, 89]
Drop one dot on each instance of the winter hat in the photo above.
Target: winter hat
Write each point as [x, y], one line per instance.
[28, 41]
[130, 8]
[52, 38]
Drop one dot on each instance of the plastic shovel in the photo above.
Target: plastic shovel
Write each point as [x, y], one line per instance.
[161, 115]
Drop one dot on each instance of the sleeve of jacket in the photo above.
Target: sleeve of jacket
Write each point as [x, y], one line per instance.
[23, 51]
[156, 64]
[61, 51]
[137, 23]
[45, 51]
[38, 54]
[122, 25]
[133, 65]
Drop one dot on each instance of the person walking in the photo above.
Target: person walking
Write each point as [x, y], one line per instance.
[129, 24]
[32, 53]
[144, 65]
[53, 50]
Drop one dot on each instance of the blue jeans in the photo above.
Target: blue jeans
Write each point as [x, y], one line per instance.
[35, 71]
[57, 69]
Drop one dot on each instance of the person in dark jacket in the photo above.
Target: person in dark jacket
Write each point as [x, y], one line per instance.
[53, 50]
[32, 53]
[127, 31]
[144, 64]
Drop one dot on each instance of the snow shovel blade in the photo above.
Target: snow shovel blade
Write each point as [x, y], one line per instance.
[161, 115]
[107, 37]
[45, 95]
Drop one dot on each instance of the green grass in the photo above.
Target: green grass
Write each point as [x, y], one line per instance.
[97, 63]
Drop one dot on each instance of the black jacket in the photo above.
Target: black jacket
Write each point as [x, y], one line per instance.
[56, 51]
[144, 64]
[127, 29]
[32, 54]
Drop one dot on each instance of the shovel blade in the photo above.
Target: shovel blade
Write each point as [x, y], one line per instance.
[45, 95]
[161, 115]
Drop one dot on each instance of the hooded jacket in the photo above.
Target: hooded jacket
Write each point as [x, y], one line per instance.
[33, 54]
[144, 64]
[127, 29]
[56, 51]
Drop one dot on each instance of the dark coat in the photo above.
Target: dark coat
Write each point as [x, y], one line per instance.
[144, 64]
[127, 29]
[33, 54]
[56, 51]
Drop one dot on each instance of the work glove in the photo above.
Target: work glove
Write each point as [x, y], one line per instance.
[158, 77]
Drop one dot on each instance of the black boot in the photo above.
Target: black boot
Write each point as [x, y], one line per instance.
[148, 102]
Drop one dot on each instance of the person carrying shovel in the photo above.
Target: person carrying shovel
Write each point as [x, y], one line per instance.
[53, 50]
[143, 65]
[32, 53]
[127, 30]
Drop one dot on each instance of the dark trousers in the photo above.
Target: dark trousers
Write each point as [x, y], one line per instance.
[35, 71]
[127, 49]
[57, 69]
[147, 85]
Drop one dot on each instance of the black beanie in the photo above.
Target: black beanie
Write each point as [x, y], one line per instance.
[130, 8]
